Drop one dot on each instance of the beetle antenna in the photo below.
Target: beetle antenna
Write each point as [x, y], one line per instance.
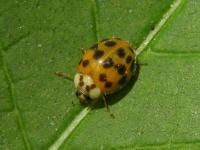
[65, 76]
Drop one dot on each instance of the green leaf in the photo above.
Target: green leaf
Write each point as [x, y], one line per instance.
[161, 110]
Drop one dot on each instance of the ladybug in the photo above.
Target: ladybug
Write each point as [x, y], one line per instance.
[105, 68]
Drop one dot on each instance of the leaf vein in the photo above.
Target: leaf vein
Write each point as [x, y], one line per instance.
[16, 41]
[159, 26]
[67, 132]
[144, 44]
[16, 110]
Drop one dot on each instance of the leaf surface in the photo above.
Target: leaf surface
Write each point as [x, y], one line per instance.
[38, 38]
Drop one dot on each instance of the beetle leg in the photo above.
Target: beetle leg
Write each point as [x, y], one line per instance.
[83, 50]
[107, 107]
[142, 63]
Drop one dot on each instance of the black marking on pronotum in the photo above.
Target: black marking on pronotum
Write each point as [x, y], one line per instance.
[121, 52]
[85, 63]
[98, 54]
[108, 84]
[87, 88]
[102, 77]
[110, 43]
[120, 68]
[81, 78]
[108, 63]
[81, 83]
[92, 86]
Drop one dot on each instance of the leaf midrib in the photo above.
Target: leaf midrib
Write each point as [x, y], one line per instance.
[139, 50]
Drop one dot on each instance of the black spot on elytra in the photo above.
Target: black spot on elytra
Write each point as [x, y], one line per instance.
[123, 80]
[110, 43]
[120, 52]
[102, 77]
[95, 46]
[107, 63]
[108, 84]
[85, 63]
[98, 54]
[120, 68]
[128, 59]
[81, 83]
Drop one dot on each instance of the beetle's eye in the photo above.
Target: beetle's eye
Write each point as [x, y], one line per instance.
[78, 93]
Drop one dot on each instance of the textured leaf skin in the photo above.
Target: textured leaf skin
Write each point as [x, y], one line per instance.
[159, 111]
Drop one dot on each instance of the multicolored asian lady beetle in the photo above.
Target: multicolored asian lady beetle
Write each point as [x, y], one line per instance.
[104, 69]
